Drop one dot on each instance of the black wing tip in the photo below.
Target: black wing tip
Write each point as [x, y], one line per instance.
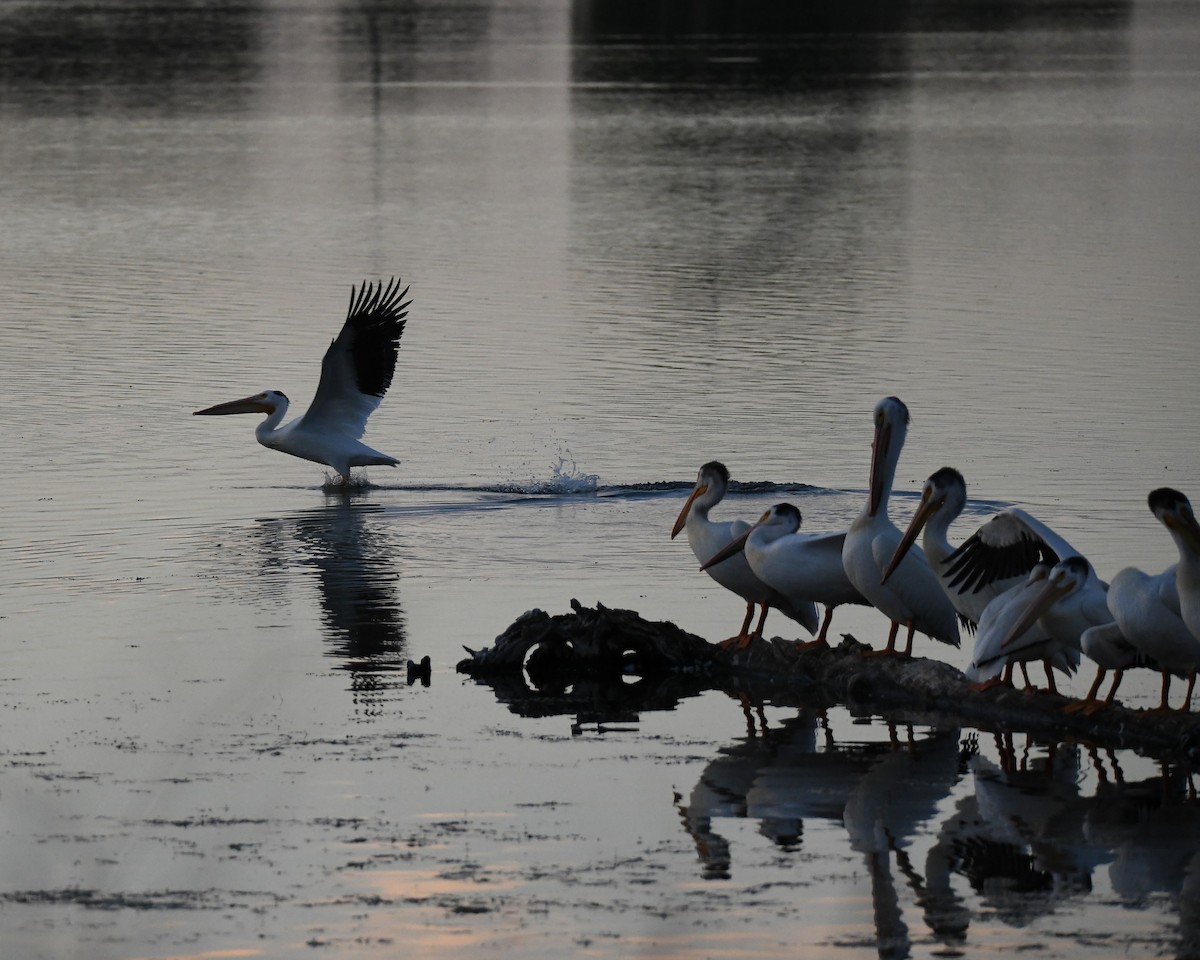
[375, 303]
[375, 322]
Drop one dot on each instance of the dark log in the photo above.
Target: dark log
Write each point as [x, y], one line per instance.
[590, 650]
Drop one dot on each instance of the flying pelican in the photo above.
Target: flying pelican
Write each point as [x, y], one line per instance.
[912, 595]
[1070, 600]
[991, 658]
[355, 374]
[993, 560]
[801, 566]
[706, 537]
[1148, 610]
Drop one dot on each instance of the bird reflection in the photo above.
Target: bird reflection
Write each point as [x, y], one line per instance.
[792, 773]
[347, 548]
[779, 778]
[363, 622]
[900, 791]
[1027, 841]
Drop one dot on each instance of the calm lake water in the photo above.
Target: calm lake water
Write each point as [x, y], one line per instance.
[637, 240]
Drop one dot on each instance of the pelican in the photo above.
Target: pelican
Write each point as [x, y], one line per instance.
[1070, 600]
[1147, 607]
[1175, 513]
[993, 560]
[707, 536]
[355, 374]
[990, 656]
[801, 566]
[912, 595]
[1106, 647]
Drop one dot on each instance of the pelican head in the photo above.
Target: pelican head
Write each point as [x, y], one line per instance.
[266, 402]
[1174, 512]
[1064, 578]
[712, 479]
[782, 519]
[891, 427]
[944, 491]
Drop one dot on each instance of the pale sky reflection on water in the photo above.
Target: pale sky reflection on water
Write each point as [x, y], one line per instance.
[634, 246]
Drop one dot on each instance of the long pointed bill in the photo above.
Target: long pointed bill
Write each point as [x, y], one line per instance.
[737, 545]
[1050, 594]
[1184, 521]
[879, 448]
[697, 490]
[926, 509]
[246, 405]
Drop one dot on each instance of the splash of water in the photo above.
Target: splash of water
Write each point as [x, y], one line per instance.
[565, 479]
[335, 483]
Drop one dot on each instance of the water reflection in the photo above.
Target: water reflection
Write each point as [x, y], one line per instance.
[79, 58]
[790, 773]
[354, 559]
[1024, 841]
[349, 549]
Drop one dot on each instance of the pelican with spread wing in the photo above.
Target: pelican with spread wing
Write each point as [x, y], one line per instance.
[355, 374]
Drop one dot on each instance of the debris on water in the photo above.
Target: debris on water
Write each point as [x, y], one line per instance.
[419, 671]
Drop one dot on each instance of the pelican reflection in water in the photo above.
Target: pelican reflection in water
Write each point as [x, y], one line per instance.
[347, 551]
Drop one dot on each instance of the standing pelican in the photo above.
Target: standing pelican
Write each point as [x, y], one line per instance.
[912, 595]
[1175, 513]
[1070, 600]
[801, 566]
[993, 560]
[706, 537]
[1108, 649]
[1148, 608]
[355, 374]
[991, 656]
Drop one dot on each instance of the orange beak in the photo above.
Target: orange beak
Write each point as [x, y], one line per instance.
[926, 509]
[1050, 593]
[246, 405]
[879, 448]
[699, 489]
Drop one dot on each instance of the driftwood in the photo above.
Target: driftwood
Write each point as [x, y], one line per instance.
[606, 665]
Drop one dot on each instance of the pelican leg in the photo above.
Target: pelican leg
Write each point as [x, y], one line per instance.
[1166, 688]
[1107, 701]
[758, 630]
[891, 643]
[1187, 701]
[1090, 701]
[1049, 677]
[1120, 675]
[912, 628]
[742, 638]
[1025, 674]
[820, 642]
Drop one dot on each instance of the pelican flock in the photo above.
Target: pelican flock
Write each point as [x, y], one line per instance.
[706, 537]
[1022, 588]
[355, 374]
